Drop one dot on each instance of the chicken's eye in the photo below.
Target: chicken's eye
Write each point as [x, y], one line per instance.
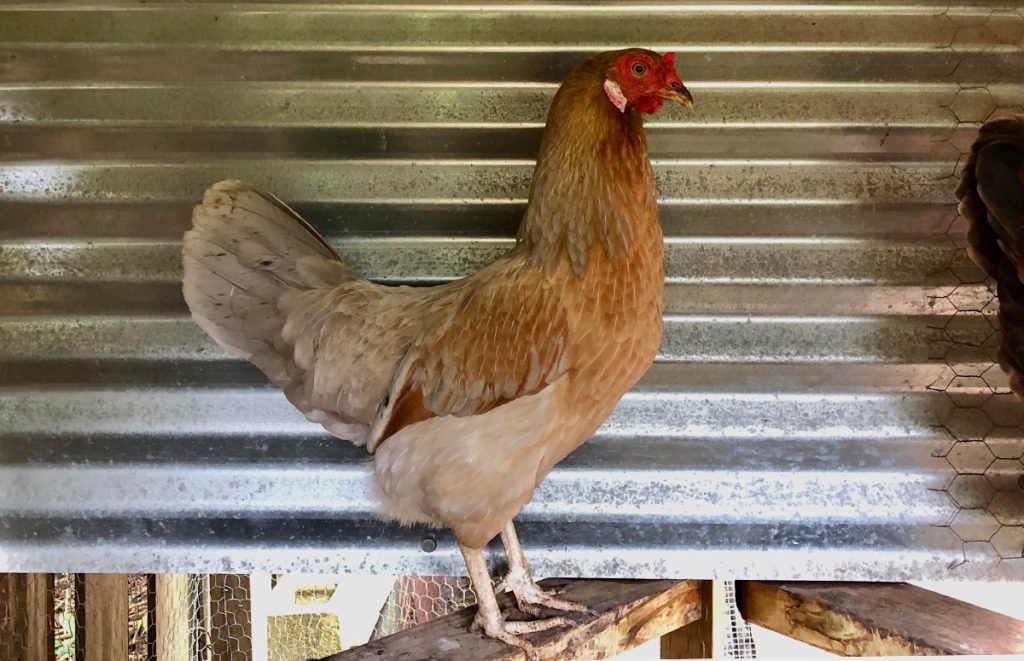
[639, 68]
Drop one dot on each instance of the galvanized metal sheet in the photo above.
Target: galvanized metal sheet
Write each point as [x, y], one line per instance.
[824, 405]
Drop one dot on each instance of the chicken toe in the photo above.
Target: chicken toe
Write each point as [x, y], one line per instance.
[530, 597]
[488, 617]
[498, 629]
[533, 626]
[509, 632]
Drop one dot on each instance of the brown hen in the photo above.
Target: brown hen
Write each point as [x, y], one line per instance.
[467, 393]
[991, 196]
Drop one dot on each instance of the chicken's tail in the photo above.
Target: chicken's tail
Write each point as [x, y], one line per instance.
[1011, 323]
[992, 203]
[246, 249]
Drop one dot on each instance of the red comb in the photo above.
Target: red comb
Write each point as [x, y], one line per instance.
[669, 59]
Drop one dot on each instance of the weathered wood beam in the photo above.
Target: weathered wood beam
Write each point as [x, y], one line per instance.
[697, 640]
[39, 616]
[172, 616]
[878, 619]
[105, 599]
[26, 620]
[627, 613]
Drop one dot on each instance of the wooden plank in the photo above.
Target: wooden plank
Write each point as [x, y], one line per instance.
[230, 617]
[106, 616]
[627, 613]
[80, 633]
[12, 620]
[151, 619]
[696, 640]
[172, 613]
[39, 617]
[878, 619]
[26, 623]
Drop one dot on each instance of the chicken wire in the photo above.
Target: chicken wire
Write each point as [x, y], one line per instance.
[981, 432]
[806, 202]
[221, 617]
[419, 599]
[65, 617]
[139, 618]
[203, 617]
[15, 622]
[210, 614]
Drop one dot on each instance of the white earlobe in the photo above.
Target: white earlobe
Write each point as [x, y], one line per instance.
[615, 95]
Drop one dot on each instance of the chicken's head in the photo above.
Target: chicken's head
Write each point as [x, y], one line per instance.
[641, 80]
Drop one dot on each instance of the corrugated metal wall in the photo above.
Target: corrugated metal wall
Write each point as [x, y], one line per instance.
[826, 369]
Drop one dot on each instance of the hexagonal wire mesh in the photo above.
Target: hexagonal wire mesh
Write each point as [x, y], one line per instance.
[222, 617]
[66, 598]
[309, 616]
[213, 617]
[138, 617]
[419, 599]
[15, 621]
[202, 617]
[982, 426]
[65, 617]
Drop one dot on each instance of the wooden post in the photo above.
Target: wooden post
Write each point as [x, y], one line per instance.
[172, 616]
[879, 619]
[39, 594]
[105, 600]
[26, 621]
[230, 617]
[80, 633]
[151, 612]
[626, 614]
[698, 640]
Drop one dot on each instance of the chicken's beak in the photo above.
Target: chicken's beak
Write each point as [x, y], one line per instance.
[681, 96]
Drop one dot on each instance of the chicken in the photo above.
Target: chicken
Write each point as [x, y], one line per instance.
[466, 393]
[991, 194]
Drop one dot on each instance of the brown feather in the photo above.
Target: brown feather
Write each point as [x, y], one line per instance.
[408, 410]
[478, 386]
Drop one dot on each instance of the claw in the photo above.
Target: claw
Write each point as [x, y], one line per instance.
[503, 631]
[531, 598]
[530, 609]
[510, 632]
[533, 626]
[488, 617]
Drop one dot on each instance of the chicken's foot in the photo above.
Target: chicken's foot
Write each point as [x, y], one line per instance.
[488, 616]
[530, 597]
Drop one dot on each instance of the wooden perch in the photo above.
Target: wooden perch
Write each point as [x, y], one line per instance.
[878, 619]
[26, 617]
[628, 613]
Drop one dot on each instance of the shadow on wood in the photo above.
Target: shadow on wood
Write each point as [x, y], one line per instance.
[628, 613]
[878, 619]
[696, 640]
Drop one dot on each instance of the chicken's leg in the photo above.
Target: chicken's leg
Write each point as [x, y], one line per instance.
[489, 618]
[529, 596]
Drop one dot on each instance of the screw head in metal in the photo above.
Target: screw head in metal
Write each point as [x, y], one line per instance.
[428, 544]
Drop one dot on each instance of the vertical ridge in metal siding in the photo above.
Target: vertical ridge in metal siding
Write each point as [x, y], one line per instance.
[825, 383]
